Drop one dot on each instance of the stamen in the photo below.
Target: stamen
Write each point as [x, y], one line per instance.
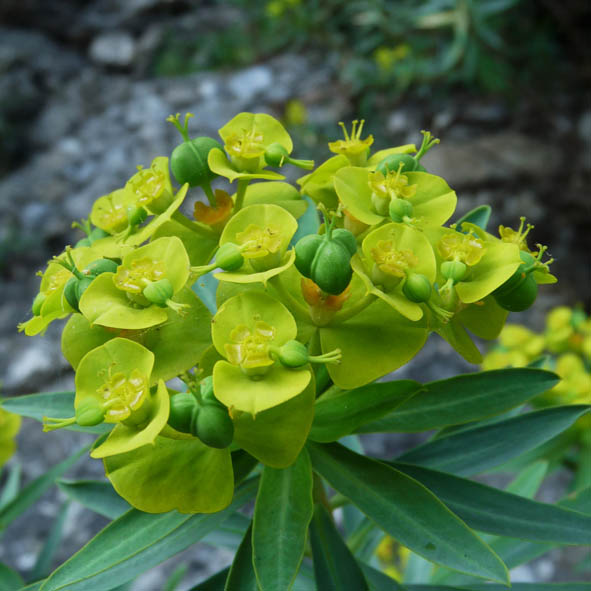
[345, 132]
[360, 129]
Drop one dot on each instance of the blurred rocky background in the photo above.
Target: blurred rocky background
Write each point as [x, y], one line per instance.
[86, 85]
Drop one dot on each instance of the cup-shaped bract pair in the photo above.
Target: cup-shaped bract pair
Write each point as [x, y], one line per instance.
[416, 198]
[246, 139]
[272, 405]
[398, 265]
[123, 212]
[261, 233]
[137, 295]
[52, 302]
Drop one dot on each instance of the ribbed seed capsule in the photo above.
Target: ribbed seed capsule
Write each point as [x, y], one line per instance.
[214, 426]
[331, 267]
[392, 162]
[454, 270]
[229, 257]
[182, 408]
[399, 209]
[101, 266]
[188, 161]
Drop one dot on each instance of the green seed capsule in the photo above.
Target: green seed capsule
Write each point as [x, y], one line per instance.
[346, 238]
[37, 303]
[275, 155]
[90, 413]
[293, 354]
[392, 162]
[455, 270]
[82, 285]
[229, 257]
[182, 408]
[331, 267]
[305, 251]
[136, 215]
[206, 391]
[399, 209]
[97, 234]
[521, 297]
[214, 426]
[188, 161]
[159, 292]
[417, 288]
[83, 242]
[101, 266]
[71, 293]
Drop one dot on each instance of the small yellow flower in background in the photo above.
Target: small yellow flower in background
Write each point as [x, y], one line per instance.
[9, 426]
[277, 8]
[295, 113]
[386, 57]
[393, 557]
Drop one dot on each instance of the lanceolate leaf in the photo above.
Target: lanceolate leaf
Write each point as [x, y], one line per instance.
[97, 496]
[407, 511]
[282, 513]
[31, 493]
[335, 567]
[498, 512]
[134, 543]
[49, 404]
[474, 450]
[242, 575]
[464, 398]
[10, 580]
[342, 413]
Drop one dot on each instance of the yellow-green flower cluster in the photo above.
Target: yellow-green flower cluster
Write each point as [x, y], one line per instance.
[360, 295]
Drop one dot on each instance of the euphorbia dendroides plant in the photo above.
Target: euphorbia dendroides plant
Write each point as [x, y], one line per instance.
[278, 328]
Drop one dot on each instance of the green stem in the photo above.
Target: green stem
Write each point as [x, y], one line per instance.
[240, 193]
[196, 227]
[354, 309]
[209, 193]
[319, 493]
[339, 500]
[288, 297]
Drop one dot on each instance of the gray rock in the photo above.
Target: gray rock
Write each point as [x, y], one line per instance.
[502, 157]
[251, 83]
[116, 48]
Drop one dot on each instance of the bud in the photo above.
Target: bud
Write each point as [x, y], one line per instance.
[346, 238]
[136, 215]
[417, 288]
[277, 155]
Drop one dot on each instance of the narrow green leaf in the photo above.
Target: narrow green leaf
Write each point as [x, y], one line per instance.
[11, 486]
[406, 510]
[501, 513]
[335, 568]
[282, 513]
[96, 495]
[45, 558]
[137, 541]
[31, 493]
[464, 398]
[528, 481]
[59, 405]
[230, 533]
[378, 581]
[342, 413]
[475, 450]
[10, 580]
[176, 577]
[478, 216]
[241, 576]
[36, 586]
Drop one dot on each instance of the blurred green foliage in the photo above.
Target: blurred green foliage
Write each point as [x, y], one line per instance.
[385, 46]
